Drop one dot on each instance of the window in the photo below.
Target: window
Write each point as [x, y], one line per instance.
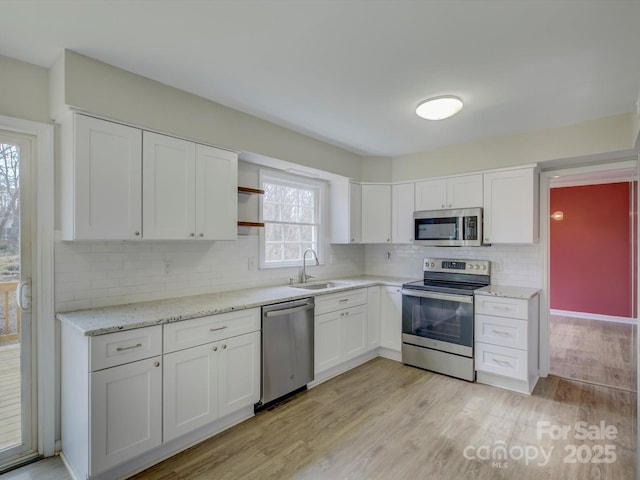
[291, 212]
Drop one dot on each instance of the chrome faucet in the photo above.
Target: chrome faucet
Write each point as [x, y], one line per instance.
[303, 276]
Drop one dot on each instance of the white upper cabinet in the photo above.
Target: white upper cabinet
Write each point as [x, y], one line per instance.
[189, 190]
[346, 212]
[169, 187]
[511, 206]
[101, 180]
[402, 208]
[216, 193]
[454, 192]
[376, 213]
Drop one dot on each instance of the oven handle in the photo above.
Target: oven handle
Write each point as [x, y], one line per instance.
[438, 296]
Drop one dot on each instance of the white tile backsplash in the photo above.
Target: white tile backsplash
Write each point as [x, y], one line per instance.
[99, 274]
[519, 265]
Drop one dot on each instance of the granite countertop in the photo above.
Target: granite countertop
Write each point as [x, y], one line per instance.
[99, 321]
[508, 291]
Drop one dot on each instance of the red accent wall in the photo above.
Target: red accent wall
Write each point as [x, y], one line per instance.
[591, 249]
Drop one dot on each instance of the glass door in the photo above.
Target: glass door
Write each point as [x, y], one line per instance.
[17, 424]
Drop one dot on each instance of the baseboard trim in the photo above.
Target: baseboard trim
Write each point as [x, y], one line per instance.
[594, 316]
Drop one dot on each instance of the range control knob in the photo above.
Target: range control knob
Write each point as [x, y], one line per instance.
[484, 267]
[477, 267]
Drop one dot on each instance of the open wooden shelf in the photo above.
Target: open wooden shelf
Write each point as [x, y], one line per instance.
[250, 224]
[250, 191]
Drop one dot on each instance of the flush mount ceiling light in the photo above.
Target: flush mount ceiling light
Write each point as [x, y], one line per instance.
[439, 108]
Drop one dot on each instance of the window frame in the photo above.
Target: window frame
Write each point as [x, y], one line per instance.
[296, 181]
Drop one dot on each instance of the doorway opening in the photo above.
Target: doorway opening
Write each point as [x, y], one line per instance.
[593, 277]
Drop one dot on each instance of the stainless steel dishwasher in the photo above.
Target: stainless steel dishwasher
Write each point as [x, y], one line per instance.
[287, 349]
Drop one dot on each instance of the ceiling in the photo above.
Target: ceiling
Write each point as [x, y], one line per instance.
[352, 72]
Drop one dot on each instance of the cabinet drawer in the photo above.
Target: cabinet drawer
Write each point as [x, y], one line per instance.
[198, 331]
[123, 347]
[338, 301]
[508, 362]
[501, 331]
[501, 306]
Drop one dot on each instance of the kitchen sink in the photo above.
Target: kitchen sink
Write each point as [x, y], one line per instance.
[320, 285]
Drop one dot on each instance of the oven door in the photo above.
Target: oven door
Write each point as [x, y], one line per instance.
[438, 320]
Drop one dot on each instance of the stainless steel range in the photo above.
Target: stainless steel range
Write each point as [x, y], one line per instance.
[437, 316]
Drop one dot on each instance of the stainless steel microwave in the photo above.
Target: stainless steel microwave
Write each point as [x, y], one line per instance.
[448, 228]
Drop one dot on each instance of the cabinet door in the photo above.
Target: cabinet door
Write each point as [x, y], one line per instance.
[108, 182]
[354, 332]
[216, 194]
[402, 203]
[168, 187]
[511, 206]
[376, 213]
[391, 308]
[464, 192]
[346, 212]
[355, 213]
[431, 194]
[126, 412]
[190, 389]
[327, 336]
[373, 317]
[239, 381]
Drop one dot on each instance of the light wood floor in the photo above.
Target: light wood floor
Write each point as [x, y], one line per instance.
[384, 420]
[594, 351]
[10, 408]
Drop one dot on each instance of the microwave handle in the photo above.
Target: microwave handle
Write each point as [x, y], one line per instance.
[438, 296]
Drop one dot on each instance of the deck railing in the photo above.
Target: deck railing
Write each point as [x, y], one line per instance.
[11, 323]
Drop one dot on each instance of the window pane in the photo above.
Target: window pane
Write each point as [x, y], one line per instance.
[306, 233]
[273, 232]
[291, 233]
[292, 251]
[270, 211]
[273, 252]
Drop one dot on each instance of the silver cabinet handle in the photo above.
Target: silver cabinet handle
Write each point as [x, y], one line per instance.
[137, 234]
[499, 332]
[502, 363]
[201, 235]
[224, 347]
[217, 329]
[344, 300]
[122, 349]
[156, 364]
[192, 234]
[215, 349]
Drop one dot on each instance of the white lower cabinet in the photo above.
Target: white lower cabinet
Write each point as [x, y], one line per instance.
[126, 412]
[391, 321]
[340, 333]
[204, 383]
[506, 342]
[124, 395]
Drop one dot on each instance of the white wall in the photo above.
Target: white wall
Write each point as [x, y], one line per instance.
[595, 140]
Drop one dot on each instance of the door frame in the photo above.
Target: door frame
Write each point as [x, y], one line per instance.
[545, 245]
[43, 277]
